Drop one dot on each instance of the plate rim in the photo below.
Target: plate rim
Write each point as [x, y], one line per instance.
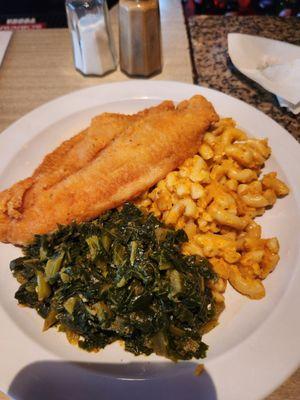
[214, 366]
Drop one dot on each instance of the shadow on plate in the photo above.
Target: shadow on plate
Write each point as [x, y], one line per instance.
[51, 380]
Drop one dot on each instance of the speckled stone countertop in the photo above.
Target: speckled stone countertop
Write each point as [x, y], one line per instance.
[213, 68]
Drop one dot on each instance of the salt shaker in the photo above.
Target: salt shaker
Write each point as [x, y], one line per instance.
[140, 37]
[92, 39]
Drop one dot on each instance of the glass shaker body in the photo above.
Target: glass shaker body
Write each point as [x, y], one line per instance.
[140, 37]
[92, 39]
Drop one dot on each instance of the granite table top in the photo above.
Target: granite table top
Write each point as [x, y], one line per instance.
[213, 68]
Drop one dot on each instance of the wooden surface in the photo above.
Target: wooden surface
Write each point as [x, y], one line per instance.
[289, 390]
[38, 67]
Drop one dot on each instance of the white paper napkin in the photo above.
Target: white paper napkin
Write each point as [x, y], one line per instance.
[273, 64]
[295, 109]
[4, 40]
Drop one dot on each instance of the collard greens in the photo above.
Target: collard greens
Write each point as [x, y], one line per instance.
[119, 277]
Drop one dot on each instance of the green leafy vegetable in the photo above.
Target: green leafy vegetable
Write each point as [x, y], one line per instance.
[119, 277]
[53, 265]
[43, 289]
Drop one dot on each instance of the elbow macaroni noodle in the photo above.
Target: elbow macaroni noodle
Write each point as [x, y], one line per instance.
[215, 196]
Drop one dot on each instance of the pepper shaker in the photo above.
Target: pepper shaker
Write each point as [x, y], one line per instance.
[140, 37]
[92, 39]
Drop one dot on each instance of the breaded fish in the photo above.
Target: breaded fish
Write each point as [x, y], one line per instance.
[68, 158]
[75, 153]
[144, 152]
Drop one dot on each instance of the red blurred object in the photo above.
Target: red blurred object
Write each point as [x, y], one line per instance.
[22, 27]
[246, 7]
[283, 8]
[244, 3]
[220, 5]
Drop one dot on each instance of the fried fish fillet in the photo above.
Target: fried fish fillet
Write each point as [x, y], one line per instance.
[75, 153]
[152, 145]
[68, 158]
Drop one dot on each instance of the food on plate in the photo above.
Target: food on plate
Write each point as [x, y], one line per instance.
[120, 277]
[131, 162]
[151, 274]
[199, 370]
[215, 196]
[75, 153]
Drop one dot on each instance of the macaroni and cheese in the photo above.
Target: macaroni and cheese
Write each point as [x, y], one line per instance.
[215, 197]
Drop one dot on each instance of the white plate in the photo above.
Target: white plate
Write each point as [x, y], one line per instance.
[257, 344]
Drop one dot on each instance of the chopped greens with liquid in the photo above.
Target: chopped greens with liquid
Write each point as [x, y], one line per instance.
[119, 277]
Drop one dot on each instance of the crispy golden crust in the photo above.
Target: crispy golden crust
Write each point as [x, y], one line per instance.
[70, 157]
[149, 147]
[59, 157]
[75, 153]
